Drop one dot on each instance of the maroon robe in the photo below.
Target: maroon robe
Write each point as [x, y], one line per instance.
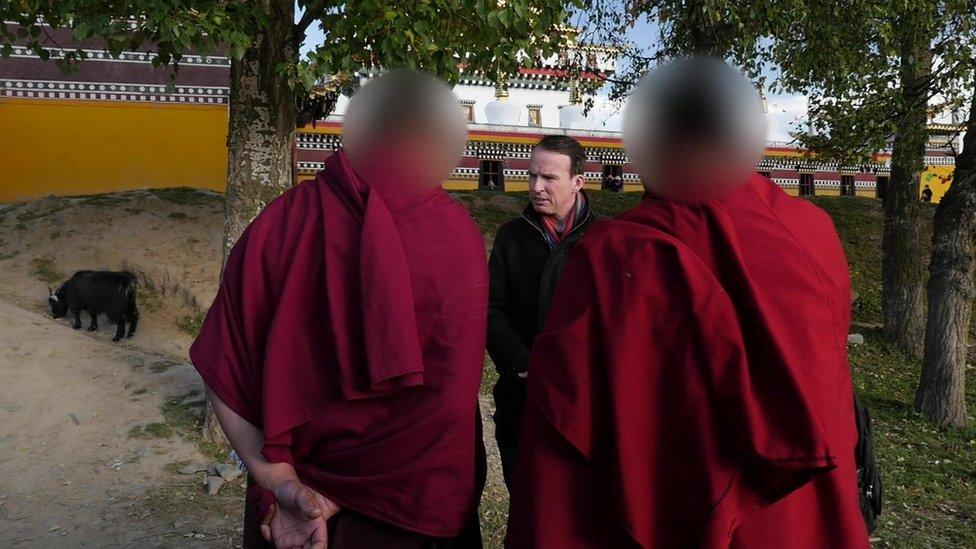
[691, 388]
[349, 327]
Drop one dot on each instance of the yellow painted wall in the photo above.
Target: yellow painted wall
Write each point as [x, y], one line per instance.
[461, 184]
[70, 147]
[86, 147]
[938, 179]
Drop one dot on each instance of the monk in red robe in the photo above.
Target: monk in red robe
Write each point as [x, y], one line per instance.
[691, 388]
[344, 350]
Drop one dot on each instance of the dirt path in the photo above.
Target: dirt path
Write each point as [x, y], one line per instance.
[72, 470]
[93, 432]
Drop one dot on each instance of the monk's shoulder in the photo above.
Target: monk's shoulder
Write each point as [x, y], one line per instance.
[790, 207]
[462, 222]
[648, 255]
[276, 231]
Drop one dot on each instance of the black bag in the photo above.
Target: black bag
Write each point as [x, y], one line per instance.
[868, 474]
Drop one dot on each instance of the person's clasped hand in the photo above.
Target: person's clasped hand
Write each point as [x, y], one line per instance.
[298, 517]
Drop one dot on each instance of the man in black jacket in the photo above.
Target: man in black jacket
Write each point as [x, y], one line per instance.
[526, 263]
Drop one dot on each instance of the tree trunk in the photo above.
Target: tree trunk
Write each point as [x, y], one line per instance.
[261, 129]
[903, 267]
[941, 394]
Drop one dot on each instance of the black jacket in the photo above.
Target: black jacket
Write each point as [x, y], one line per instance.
[523, 273]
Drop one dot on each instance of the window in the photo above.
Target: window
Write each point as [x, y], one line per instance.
[468, 110]
[806, 184]
[765, 174]
[847, 185]
[535, 115]
[491, 177]
[881, 187]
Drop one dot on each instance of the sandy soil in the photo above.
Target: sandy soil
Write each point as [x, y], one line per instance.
[71, 473]
[77, 467]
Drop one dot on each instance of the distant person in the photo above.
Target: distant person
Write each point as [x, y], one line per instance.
[927, 195]
[672, 399]
[618, 184]
[608, 183]
[525, 265]
[344, 350]
[491, 184]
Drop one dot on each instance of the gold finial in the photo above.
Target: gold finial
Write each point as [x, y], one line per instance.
[501, 88]
[575, 93]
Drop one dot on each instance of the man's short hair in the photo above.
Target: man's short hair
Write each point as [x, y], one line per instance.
[564, 144]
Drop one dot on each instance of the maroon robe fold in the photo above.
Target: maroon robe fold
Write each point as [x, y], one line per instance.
[349, 327]
[691, 388]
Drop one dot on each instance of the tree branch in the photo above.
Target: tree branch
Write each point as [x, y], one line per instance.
[312, 12]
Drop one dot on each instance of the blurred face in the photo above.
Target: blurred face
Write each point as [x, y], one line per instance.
[404, 129]
[418, 162]
[694, 172]
[694, 129]
[552, 188]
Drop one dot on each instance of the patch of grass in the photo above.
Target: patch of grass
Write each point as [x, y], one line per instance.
[185, 196]
[190, 324]
[9, 255]
[152, 430]
[140, 391]
[55, 235]
[40, 211]
[184, 415]
[175, 466]
[160, 366]
[45, 270]
[929, 474]
[133, 211]
[149, 297]
[178, 215]
[186, 505]
[159, 430]
[105, 200]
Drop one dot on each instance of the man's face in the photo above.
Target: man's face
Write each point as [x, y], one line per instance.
[552, 189]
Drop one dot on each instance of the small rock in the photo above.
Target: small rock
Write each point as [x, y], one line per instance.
[213, 484]
[135, 361]
[854, 295]
[160, 366]
[228, 472]
[8, 406]
[53, 528]
[193, 468]
[855, 339]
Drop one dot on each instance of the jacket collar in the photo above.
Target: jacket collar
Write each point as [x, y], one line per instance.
[533, 217]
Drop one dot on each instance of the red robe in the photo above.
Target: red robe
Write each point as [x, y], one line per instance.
[691, 388]
[350, 328]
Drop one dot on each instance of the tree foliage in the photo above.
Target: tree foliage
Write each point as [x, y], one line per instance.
[440, 36]
[844, 55]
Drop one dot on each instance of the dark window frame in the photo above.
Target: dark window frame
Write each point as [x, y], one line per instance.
[806, 186]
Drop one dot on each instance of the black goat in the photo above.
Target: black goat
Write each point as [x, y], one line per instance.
[108, 292]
